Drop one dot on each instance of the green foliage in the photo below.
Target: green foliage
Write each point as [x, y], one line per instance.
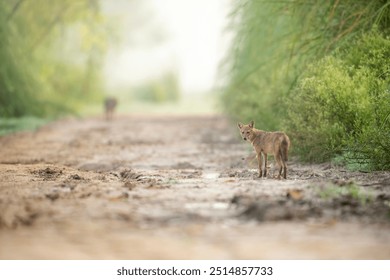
[274, 40]
[16, 124]
[159, 90]
[309, 66]
[50, 64]
[350, 190]
[341, 105]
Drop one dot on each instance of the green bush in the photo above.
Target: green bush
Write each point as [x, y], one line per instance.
[338, 107]
[275, 40]
[341, 105]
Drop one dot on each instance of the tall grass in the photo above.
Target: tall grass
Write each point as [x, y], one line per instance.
[278, 47]
[274, 40]
[50, 53]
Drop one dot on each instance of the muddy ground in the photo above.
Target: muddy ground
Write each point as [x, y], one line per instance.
[178, 187]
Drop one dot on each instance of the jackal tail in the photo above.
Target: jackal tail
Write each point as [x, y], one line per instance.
[284, 150]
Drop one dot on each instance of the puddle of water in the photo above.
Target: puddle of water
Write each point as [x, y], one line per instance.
[210, 175]
[220, 205]
[206, 205]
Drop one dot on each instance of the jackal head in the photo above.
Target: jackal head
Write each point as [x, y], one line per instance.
[246, 130]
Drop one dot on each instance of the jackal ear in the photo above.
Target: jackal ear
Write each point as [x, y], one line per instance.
[240, 125]
[251, 124]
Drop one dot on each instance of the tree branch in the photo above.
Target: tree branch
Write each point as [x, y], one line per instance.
[15, 8]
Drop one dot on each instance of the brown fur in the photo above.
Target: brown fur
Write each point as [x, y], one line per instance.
[109, 106]
[264, 143]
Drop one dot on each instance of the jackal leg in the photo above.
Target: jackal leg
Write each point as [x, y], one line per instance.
[278, 159]
[260, 161]
[266, 164]
[284, 169]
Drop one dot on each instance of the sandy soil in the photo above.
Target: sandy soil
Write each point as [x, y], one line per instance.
[142, 187]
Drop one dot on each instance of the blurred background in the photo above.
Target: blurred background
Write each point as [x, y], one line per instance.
[316, 69]
[62, 57]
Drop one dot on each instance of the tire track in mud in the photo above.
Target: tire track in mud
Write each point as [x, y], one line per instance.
[184, 181]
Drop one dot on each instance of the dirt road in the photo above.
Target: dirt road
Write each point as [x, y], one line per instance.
[142, 187]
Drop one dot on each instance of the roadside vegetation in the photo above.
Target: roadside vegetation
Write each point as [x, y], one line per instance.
[42, 72]
[320, 70]
[52, 64]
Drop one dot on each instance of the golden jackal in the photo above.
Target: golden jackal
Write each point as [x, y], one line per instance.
[274, 143]
[109, 106]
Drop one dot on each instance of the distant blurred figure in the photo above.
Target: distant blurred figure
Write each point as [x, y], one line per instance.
[110, 105]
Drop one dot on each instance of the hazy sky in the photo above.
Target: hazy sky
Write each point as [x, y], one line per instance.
[184, 36]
